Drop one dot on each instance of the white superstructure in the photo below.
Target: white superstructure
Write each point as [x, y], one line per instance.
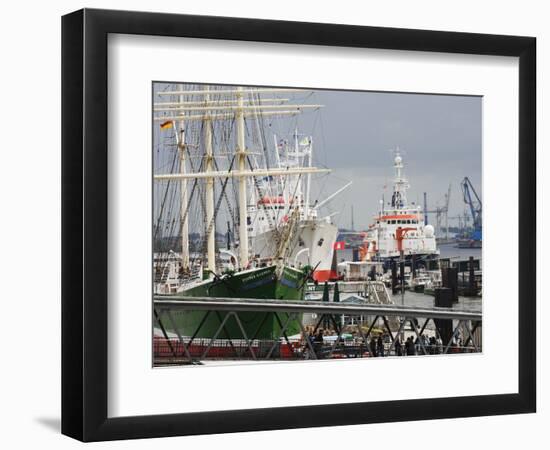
[399, 228]
[273, 200]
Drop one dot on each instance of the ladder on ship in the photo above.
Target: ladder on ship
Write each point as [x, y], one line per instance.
[379, 294]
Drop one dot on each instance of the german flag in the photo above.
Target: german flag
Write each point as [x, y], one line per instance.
[166, 125]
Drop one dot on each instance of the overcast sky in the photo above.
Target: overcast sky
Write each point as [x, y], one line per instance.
[439, 136]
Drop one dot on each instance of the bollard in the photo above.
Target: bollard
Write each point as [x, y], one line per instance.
[444, 299]
[394, 277]
[402, 276]
[472, 279]
[449, 279]
[325, 292]
[372, 273]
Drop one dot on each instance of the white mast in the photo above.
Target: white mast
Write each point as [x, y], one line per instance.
[400, 186]
[308, 181]
[184, 223]
[241, 154]
[210, 224]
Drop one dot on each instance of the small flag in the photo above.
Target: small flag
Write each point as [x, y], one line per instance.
[341, 245]
[166, 125]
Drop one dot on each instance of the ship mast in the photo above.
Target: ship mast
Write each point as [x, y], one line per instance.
[180, 142]
[241, 155]
[210, 220]
[308, 179]
[399, 199]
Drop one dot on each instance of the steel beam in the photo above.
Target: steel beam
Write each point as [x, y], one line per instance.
[242, 304]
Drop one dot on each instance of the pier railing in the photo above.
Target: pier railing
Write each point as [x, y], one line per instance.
[349, 330]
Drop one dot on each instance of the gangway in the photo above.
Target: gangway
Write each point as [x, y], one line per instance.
[288, 311]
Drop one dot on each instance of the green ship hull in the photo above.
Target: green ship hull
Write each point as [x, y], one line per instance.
[261, 283]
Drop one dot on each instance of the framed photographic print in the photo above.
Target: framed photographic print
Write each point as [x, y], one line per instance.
[276, 225]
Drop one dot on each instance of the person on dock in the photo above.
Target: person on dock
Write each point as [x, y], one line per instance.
[432, 345]
[372, 346]
[380, 346]
[410, 348]
[439, 345]
[398, 347]
[318, 342]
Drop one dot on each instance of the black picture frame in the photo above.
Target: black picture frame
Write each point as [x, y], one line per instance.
[84, 224]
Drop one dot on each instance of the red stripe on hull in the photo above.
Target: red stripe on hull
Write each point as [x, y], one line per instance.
[324, 275]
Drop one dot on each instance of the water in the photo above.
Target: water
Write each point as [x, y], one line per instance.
[453, 252]
[420, 300]
[446, 251]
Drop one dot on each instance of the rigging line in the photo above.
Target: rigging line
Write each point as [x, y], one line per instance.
[261, 132]
[174, 220]
[216, 209]
[323, 138]
[257, 186]
[234, 182]
[186, 212]
[294, 195]
[230, 209]
[164, 199]
[264, 145]
[288, 231]
[222, 195]
[226, 133]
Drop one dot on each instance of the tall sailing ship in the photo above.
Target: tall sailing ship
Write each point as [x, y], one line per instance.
[221, 170]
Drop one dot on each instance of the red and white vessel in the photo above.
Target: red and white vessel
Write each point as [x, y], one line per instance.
[399, 228]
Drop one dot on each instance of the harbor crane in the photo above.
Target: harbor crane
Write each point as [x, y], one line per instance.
[441, 213]
[474, 202]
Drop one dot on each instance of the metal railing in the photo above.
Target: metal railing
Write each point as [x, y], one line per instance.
[346, 341]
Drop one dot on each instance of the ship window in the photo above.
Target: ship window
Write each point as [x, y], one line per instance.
[408, 221]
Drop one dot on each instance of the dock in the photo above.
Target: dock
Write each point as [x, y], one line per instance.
[347, 341]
